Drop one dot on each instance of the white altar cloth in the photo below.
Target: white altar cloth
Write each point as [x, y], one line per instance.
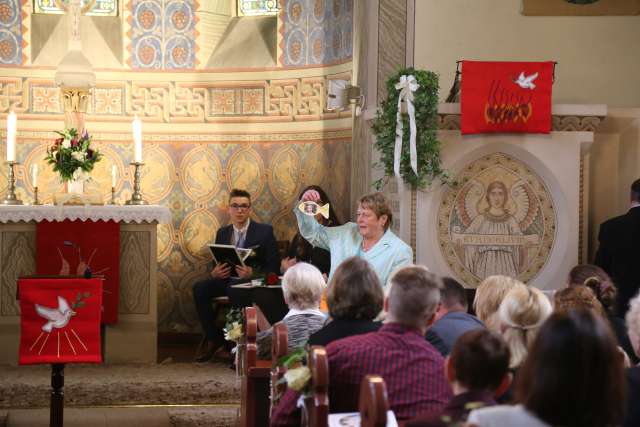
[118, 213]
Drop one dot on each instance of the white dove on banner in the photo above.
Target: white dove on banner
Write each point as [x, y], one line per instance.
[57, 318]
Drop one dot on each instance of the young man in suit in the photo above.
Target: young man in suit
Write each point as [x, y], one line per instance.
[243, 233]
[619, 250]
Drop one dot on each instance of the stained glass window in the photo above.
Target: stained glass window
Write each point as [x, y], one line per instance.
[96, 7]
[257, 7]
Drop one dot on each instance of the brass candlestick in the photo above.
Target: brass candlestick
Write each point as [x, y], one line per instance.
[113, 196]
[136, 197]
[11, 198]
[35, 196]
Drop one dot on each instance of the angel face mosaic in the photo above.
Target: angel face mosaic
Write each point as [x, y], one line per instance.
[500, 219]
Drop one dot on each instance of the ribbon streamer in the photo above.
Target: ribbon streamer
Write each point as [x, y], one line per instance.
[407, 85]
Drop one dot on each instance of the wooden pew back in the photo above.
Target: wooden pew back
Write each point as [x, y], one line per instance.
[315, 412]
[373, 402]
[279, 348]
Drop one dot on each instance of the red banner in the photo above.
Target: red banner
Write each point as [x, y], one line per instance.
[71, 247]
[59, 320]
[506, 97]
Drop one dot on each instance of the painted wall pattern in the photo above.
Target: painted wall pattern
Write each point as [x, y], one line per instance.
[173, 102]
[193, 180]
[314, 32]
[11, 28]
[163, 34]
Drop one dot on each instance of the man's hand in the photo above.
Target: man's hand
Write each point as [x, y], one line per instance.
[221, 271]
[244, 272]
[287, 263]
[310, 195]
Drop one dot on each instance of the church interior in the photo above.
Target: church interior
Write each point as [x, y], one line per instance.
[240, 94]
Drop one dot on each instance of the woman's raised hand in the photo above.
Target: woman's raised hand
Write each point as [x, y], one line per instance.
[311, 195]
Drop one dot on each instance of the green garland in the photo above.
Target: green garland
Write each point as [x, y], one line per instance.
[425, 101]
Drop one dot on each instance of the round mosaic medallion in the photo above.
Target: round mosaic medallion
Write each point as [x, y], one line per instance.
[285, 225]
[165, 241]
[158, 173]
[148, 52]
[294, 11]
[285, 174]
[200, 173]
[9, 47]
[197, 230]
[500, 219]
[314, 165]
[296, 47]
[245, 170]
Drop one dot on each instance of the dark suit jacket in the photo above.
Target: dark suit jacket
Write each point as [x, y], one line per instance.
[267, 259]
[619, 254]
[342, 328]
[444, 333]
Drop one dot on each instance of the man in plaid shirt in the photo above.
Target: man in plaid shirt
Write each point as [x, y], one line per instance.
[413, 369]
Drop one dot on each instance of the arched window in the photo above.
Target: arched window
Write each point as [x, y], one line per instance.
[89, 7]
[257, 7]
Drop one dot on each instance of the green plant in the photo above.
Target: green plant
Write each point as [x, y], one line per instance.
[427, 145]
[72, 156]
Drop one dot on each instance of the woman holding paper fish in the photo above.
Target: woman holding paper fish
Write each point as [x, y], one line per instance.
[370, 238]
[300, 249]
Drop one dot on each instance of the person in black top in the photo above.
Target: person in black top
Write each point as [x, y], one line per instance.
[354, 299]
[302, 251]
[242, 233]
[619, 250]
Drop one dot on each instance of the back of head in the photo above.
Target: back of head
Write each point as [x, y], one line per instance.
[480, 359]
[577, 297]
[635, 191]
[414, 296]
[453, 295]
[489, 295]
[522, 312]
[302, 286]
[354, 291]
[597, 280]
[633, 323]
[573, 375]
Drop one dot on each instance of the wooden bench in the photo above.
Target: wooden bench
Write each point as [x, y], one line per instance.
[254, 375]
[279, 348]
[373, 403]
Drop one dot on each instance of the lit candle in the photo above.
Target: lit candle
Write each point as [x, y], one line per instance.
[113, 176]
[11, 136]
[34, 175]
[137, 140]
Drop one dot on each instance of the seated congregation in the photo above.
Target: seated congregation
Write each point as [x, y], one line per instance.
[527, 359]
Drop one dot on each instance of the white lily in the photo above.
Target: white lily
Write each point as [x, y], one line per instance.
[78, 155]
[235, 333]
[66, 143]
[298, 378]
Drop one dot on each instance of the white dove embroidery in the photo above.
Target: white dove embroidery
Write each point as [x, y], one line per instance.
[526, 82]
[57, 318]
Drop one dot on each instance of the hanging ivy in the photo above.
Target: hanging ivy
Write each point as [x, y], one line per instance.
[425, 101]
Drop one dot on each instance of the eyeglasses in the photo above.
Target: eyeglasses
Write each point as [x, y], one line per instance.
[238, 207]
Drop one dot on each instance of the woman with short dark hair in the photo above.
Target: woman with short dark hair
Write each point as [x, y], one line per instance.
[572, 377]
[354, 300]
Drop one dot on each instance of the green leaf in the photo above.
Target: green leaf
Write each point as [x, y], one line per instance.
[296, 355]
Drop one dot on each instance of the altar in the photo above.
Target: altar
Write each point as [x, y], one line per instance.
[134, 337]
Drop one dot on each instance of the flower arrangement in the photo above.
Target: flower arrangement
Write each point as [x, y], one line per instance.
[233, 325]
[72, 156]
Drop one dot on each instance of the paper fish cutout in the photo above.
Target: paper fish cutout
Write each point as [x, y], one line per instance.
[312, 208]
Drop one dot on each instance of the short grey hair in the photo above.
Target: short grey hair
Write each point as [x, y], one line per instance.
[414, 295]
[633, 322]
[302, 286]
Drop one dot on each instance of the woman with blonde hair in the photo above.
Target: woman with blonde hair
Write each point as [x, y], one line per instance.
[522, 311]
[489, 295]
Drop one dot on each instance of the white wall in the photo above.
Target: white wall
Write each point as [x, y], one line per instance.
[598, 57]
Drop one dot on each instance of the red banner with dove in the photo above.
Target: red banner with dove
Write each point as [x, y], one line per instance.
[80, 247]
[506, 97]
[59, 320]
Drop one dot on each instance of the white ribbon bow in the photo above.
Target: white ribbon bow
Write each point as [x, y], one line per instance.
[407, 85]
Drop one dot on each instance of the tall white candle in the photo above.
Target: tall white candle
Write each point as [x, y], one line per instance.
[137, 140]
[34, 175]
[11, 136]
[113, 176]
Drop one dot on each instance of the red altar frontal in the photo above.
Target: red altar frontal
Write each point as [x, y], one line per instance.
[116, 242]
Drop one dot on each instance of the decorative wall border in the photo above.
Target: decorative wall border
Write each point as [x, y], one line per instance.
[559, 123]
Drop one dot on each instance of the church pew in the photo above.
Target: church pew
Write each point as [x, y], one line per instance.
[254, 375]
[373, 403]
[315, 411]
[279, 348]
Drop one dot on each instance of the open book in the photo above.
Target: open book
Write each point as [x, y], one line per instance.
[352, 419]
[229, 254]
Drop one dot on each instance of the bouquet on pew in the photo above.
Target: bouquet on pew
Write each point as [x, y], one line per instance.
[233, 325]
[298, 374]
